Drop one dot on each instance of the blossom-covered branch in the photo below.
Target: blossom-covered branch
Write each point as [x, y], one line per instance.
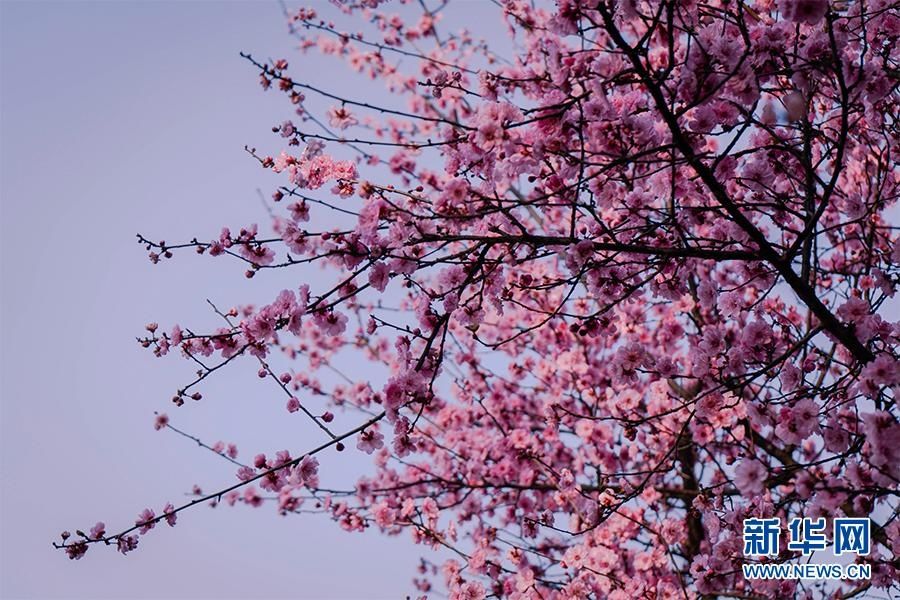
[615, 293]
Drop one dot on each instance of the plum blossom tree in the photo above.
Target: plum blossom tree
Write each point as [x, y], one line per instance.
[627, 275]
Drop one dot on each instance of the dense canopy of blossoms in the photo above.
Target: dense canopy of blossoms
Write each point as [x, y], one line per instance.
[627, 274]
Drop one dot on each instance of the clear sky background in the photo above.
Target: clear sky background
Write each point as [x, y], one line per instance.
[118, 118]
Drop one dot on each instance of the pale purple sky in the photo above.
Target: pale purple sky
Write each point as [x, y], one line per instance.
[115, 118]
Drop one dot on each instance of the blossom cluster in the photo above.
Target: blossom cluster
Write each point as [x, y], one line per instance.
[616, 292]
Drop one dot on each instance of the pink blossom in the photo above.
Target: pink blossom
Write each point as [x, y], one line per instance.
[730, 304]
[837, 439]
[749, 476]
[127, 543]
[162, 419]
[853, 310]
[146, 521]
[378, 276]
[299, 211]
[579, 254]
[287, 129]
[169, 514]
[252, 497]
[883, 436]
[790, 377]
[98, 530]
[883, 371]
[707, 294]
[370, 441]
[306, 472]
[798, 423]
[340, 117]
[76, 550]
[331, 322]
[470, 590]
